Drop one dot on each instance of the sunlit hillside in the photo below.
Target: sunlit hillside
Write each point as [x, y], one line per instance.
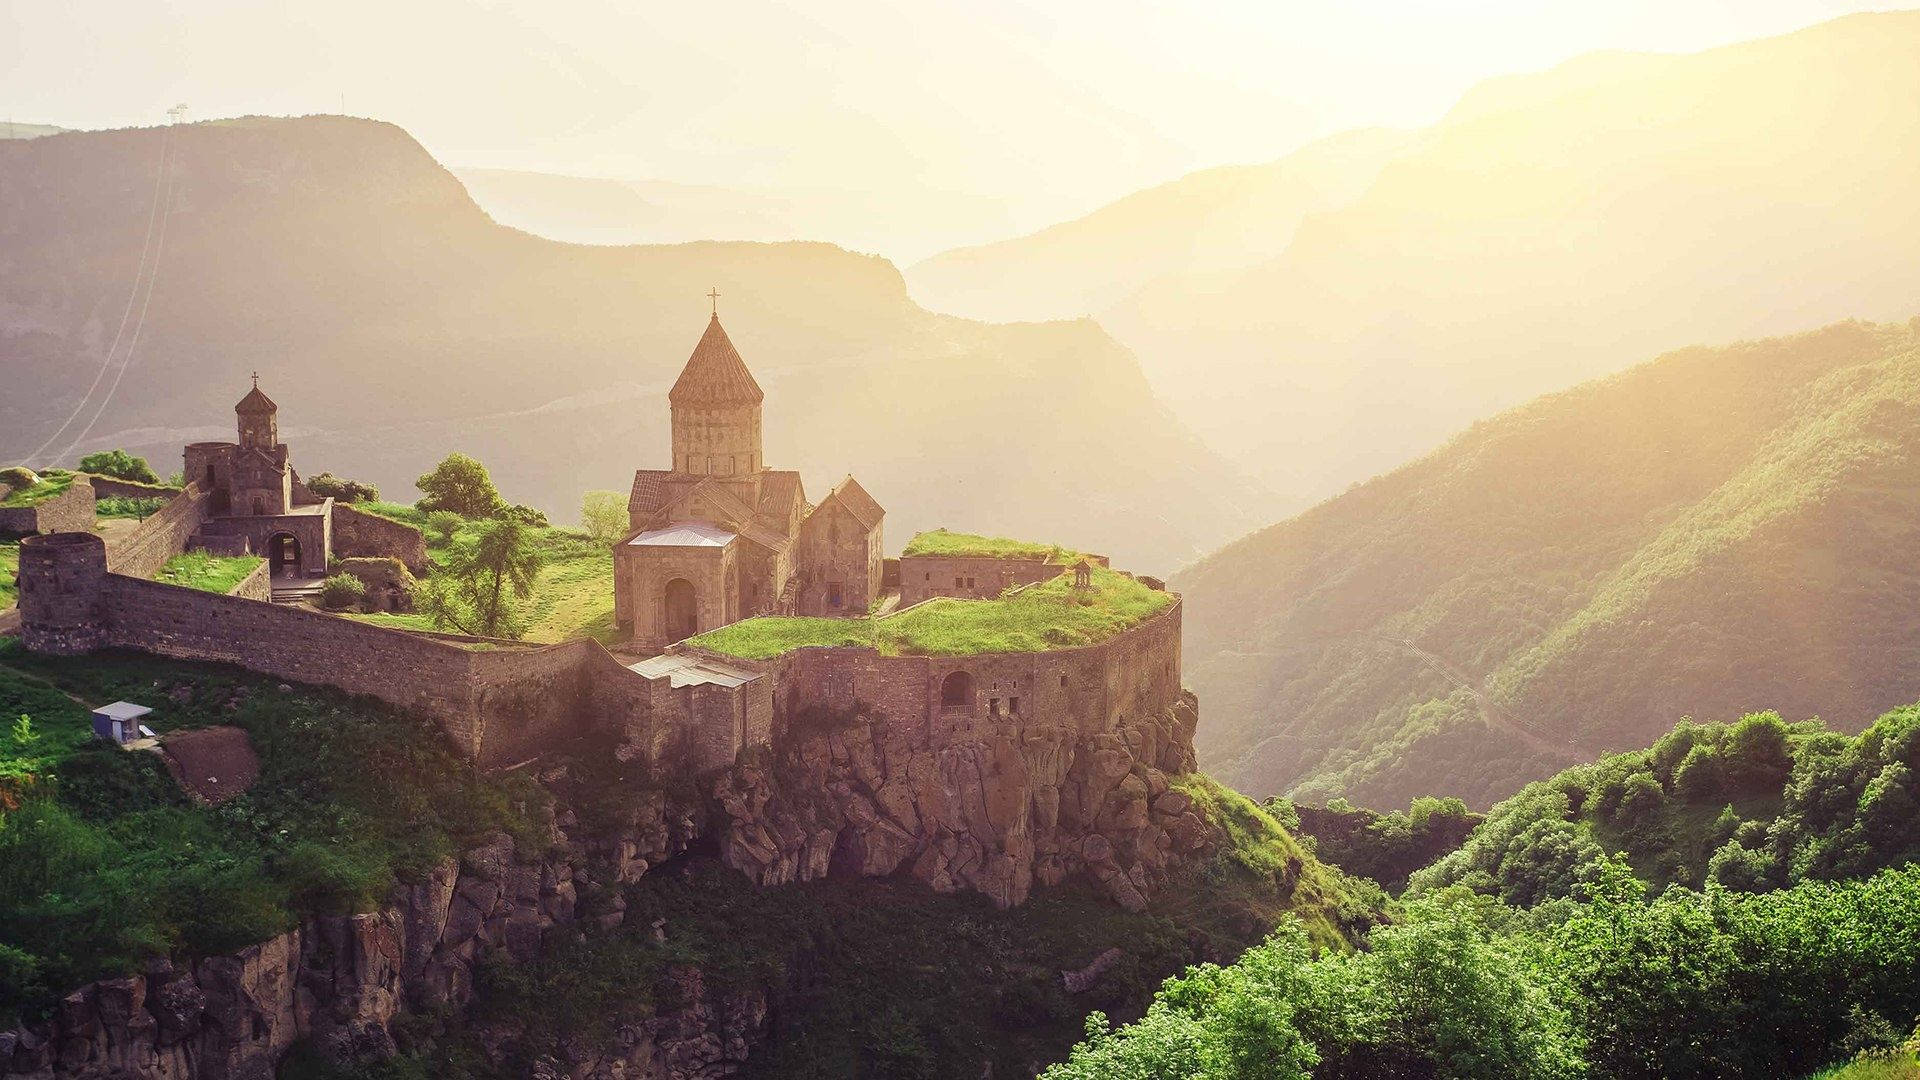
[1716, 531]
[1551, 228]
[394, 321]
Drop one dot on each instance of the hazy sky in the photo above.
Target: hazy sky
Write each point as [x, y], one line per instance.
[1000, 116]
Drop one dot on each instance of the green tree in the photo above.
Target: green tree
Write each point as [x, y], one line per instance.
[604, 515]
[442, 525]
[120, 465]
[461, 485]
[473, 593]
[342, 591]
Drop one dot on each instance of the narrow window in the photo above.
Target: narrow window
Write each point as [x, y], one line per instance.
[1013, 705]
[1063, 682]
[993, 706]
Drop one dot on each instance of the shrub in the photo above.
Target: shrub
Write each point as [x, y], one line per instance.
[342, 591]
[442, 524]
[120, 465]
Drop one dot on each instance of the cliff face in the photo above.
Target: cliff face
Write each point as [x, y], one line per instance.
[990, 806]
[340, 981]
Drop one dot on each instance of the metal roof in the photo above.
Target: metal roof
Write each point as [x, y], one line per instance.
[122, 710]
[692, 671]
[684, 534]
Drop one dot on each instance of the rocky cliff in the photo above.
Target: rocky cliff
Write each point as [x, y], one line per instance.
[992, 805]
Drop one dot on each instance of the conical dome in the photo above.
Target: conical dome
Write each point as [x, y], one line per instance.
[715, 374]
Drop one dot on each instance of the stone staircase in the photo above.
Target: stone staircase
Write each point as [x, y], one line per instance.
[296, 590]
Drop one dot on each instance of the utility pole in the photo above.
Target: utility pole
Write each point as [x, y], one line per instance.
[177, 114]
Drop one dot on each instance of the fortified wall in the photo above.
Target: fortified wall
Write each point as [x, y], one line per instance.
[502, 703]
[71, 510]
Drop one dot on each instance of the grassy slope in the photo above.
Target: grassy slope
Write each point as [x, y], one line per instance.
[50, 486]
[9, 565]
[208, 573]
[1714, 531]
[942, 542]
[103, 862]
[572, 597]
[1050, 615]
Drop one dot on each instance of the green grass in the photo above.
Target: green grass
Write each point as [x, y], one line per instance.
[393, 511]
[942, 542]
[51, 485]
[103, 863]
[117, 506]
[1875, 1067]
[1049, 615]
[9, 565]
[208, 573]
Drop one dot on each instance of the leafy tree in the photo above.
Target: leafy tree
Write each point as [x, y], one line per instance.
[525, 515]
[460, 485]
[327, 485]
[604, 515]
[120, 465]
[472, 593]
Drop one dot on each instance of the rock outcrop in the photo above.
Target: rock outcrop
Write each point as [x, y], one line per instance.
[340, 981]
[991, 805]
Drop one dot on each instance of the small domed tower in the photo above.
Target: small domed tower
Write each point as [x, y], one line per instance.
[259, 420]
[716, 411]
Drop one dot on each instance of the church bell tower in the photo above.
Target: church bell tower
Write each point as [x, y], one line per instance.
[716, 410]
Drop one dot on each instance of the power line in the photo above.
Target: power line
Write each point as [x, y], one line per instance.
[139, 271]
[153, 279]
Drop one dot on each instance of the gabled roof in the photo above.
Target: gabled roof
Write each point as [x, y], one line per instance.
[650, 491]
[256, 402]
[857, 502]
[715, 374]
[779, 490]
[719, 491]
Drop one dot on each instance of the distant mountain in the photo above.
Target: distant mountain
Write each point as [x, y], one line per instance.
[14, 130]
[394, 321]
[1217, 219]
[1550, 227]
[1717, 531]
[590, 210]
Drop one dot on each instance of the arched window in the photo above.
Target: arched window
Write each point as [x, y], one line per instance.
[956, 691]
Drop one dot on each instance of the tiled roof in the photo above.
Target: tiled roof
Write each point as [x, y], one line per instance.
[779, 490]
[650, 491]
[858, 503]
[255, 402]
[715, 374]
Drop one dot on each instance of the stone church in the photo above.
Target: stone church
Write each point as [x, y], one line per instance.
[718, 537]
[257, 503]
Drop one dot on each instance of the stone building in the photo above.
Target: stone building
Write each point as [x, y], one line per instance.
[717, 536]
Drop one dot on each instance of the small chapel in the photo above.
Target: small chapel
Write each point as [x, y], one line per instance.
[717, 536]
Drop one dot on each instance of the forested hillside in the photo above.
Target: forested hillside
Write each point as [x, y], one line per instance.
[1716, 531]
[392, 319]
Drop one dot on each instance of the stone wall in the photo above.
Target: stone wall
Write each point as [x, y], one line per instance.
[142, 552]
[923, 577]
[69, 511]
[112, 487]
[358, 533]
[257, 585]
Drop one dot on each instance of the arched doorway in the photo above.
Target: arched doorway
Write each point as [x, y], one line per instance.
[283, 551]
[680, 615]
[956, 691]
